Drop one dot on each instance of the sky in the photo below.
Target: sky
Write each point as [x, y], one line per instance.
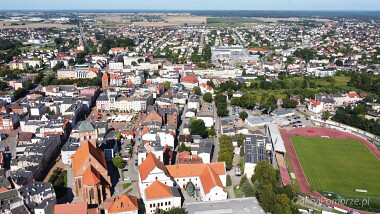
[191, 4]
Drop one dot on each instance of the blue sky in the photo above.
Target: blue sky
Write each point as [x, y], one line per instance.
[193, 4]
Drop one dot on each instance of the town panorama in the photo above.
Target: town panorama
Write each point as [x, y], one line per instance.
[174, 112]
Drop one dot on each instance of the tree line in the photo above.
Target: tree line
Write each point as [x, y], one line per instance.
[355, 117]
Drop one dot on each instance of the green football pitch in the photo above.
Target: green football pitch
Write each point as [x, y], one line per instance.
[338, 165]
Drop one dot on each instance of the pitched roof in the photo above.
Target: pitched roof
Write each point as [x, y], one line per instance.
[315, 103]
[158, 190]
[151, 162]
[190, 79]
[121, 203]
[209, 179]
[105, 76]
[208, 173]
[353, 94]
[83, 152]
[186, 158]
[73, 208]
[91, 176]
[86, 126]
[153, 115]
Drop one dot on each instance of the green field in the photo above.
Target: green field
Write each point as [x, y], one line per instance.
[338, 165]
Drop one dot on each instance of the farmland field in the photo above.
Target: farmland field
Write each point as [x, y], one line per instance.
[338, 165]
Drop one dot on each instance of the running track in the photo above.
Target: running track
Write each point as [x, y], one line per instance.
[317, 132]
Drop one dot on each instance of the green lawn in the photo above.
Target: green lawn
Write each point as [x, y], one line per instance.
[338, 165]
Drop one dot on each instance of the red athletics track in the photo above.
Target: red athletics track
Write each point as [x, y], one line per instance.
[318, 132]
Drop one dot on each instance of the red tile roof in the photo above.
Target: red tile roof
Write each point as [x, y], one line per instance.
[121, 203]
[91, 176]
[84, 151]
[149, 164]
[208, 173]
[315, 103]
[158, 190]
[190, 79]
[153, 115]
[73, 208]
[352, 94]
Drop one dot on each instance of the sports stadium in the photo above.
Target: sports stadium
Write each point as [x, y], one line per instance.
[336, 168]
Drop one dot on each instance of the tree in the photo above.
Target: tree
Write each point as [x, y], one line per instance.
[289, 103]
[197, 127]
[282, 204]
[212, 131]
[240, 139]
[197, 90]
[183, 147]
[225, 157]
[326, 115]
[228, 180]
[167, 85]
[265, 174]
[207, 97]
[243, 115]
[176, 210]
[190, 188]
[339, 63]
[230, 93]
[243, 180]
[242, 150]
[118, 162]
[267, 198]
[48, 111]
[248, 189]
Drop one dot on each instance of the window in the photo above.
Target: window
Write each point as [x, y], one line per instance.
[154, 205]
[162, 203]
[166, 203]
[156, 178]
[169, 203]
[150, 205]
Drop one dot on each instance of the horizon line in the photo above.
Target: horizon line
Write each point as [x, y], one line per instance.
[181, 10]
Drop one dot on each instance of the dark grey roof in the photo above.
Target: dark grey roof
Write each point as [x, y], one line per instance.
[255, 148]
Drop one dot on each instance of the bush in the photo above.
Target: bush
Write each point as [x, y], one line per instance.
[118, 162]
[62, 180]
[228, 181]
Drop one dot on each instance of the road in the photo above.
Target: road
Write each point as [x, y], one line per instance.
[83, 36]
[218, 134]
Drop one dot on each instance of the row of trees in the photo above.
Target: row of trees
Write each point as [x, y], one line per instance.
[355, 117]
[221, 104]
[109, 43]
[266, 188]
[226, 151]
[97, 81]
[365, 81]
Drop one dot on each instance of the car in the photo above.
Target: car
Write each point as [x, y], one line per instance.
[127, 178]
[136, 163]
[237, 172]
[126, 149]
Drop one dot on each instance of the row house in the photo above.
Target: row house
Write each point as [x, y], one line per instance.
[9, 122]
